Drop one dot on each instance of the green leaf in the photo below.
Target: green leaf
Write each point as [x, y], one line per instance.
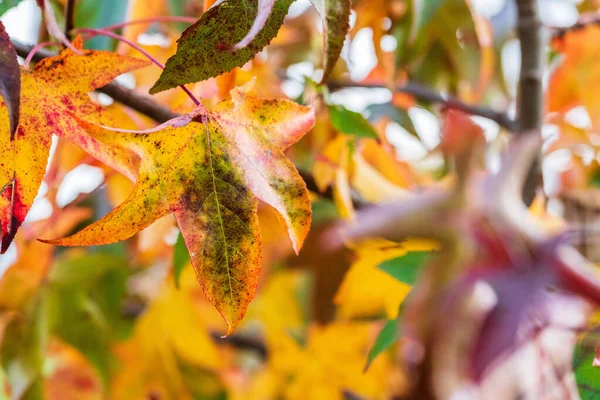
[350, 122]
[85, 303]
[586, 375]
[588, 379]
[203, 50]
[6, 5]
[23, 349]
[405, 268]
[181, 258]
[388, 335]
[595, 179]
[422, 12]
[336, 24]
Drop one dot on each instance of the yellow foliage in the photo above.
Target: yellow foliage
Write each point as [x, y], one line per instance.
[368, 291]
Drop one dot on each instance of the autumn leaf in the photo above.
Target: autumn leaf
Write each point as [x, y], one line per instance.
[10, 79]
[367, 290]
[51, 93]
[204, 49]
[209, 173]
[570, 82]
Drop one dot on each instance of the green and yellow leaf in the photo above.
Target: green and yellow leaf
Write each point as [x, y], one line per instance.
[210, 173]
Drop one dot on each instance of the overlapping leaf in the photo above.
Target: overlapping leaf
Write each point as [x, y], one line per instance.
[51, 93]
[204, 49]
[10, 79]
[209, 173]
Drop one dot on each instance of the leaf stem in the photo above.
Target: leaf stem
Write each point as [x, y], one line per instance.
[102, 32]
[35, 49]
[69, 17]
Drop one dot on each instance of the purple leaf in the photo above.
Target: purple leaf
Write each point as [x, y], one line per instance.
[10, 79]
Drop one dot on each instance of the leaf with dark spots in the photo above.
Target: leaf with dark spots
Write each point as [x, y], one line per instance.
[336, 24]
[55, 90]
[265, 7]
[210, 175]
[204, 49]
[10, 79]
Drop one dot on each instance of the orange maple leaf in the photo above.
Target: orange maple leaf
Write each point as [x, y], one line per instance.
[52, 92]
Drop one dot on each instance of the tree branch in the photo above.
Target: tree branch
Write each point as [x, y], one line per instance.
[69, 17]
[530, 97]
[423, 93]
[141, 103]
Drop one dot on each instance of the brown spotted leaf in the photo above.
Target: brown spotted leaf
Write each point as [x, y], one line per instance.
[10, 79]
[51, 93]
[210, 173]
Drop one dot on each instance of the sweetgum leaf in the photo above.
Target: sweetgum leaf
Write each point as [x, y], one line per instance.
[204, 49]
[51, 93]
[210, 173]
[10, 79]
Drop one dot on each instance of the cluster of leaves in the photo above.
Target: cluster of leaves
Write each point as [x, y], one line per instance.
[206, 203]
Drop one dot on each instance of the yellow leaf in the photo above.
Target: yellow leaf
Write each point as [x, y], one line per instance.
[170, 331]
[367, 291]
[210, 171]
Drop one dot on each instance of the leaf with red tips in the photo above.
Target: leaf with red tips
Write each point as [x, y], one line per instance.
[10, 79]
[459, 133]
[51, 93]
[210, 173]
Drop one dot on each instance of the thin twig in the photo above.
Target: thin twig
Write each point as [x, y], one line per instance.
[242, 342]
[423, 93]
[69, 17]
[112, 35]
[530, 98]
